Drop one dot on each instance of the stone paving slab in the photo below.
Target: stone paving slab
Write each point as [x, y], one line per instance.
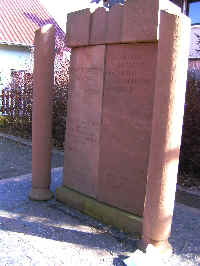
[49, 233]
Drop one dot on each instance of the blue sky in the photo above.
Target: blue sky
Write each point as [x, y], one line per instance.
[194, 12]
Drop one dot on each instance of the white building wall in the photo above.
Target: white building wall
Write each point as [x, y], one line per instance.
[13, 57]
[194, 42]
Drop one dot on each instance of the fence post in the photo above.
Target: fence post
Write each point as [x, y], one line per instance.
[7, 102]
[12, 104]
[42, 113]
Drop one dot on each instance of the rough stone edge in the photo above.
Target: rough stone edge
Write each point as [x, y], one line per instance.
[106, 214]
[26, 142]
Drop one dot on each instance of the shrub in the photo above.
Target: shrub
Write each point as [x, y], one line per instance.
[3, 121]
[60, 93]
[190, 147]
[17, 103]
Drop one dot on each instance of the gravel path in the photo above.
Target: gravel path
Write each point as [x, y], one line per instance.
[49, 233]
[16, 158]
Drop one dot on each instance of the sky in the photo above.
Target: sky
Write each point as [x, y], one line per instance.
[59, 9]
[194, 12]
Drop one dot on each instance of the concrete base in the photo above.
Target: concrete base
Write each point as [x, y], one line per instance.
[40, 194]
[100, 211]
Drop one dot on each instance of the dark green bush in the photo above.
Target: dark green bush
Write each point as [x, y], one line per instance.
[189, 164]
[3, 121]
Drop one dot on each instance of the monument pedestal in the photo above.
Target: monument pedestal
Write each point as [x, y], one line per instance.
[107, 214]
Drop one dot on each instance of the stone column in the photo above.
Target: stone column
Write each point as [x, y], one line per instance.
[168, 112]
[42, 112]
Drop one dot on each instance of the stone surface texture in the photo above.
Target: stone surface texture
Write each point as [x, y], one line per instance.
[126, 125]
[84, 119]
[102, 27]
[42, 106]
[98, 27]
[167, 126]
[78, 28]
[140, 21]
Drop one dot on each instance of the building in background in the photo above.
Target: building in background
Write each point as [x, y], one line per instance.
[18, 22]
[194, 57]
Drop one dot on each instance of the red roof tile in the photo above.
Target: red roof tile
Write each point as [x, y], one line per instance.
[19, 19]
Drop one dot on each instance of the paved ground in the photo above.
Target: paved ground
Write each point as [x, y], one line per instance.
[49, 233]
[16, 158]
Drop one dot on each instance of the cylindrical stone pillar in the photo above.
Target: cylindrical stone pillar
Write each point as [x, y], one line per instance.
[173, 50]
[43, 77]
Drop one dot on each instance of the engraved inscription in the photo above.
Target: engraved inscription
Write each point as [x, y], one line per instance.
[123, 75]
[88, 79]
[84, 119]
[82, 133]
[126, 125]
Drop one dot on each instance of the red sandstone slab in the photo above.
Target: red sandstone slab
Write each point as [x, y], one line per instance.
[140, 21]
[114, 24]
[98, 26]
[132, 22]
[84, 119]
[78, 28]
[126, 130]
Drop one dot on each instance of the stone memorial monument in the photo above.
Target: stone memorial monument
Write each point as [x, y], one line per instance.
[125, 111]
